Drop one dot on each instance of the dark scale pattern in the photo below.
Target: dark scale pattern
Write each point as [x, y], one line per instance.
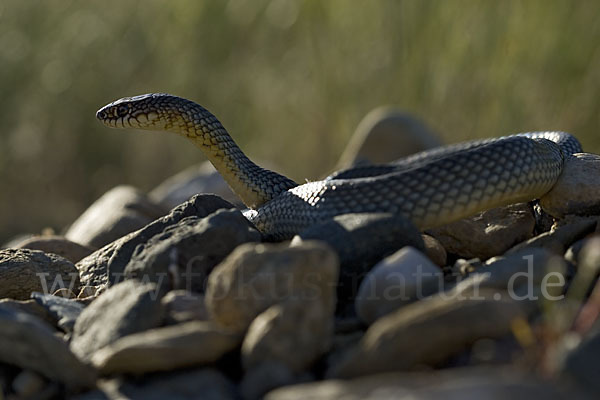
[568, 143]
[430, 188]
[445, 189]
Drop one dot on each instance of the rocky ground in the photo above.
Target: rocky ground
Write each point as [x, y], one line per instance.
[135, 301]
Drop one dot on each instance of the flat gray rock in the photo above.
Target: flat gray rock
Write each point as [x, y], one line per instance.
[64, 311]
[529, 266]
[205, 384]
[166, 348]
[488, 233]
[29, 343]
[459, 383]
[30, 307]
[183, 255]
[118, 212]
[23, 271]
[126, 308]
[428, 332]
[256, 276]
[107, 265]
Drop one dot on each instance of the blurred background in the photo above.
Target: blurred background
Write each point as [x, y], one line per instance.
[289, 79]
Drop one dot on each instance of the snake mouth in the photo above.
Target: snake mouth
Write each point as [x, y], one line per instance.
[101, 115]
[112, 116]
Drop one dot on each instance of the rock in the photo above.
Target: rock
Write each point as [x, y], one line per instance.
[294, 333]
[57, 245]
[205, 384]
[255, 277]
[64, 311]
[580, 362]
[573, 252]
[589, 256]
[529, 266]
[29, 385]
[368, 236]
[384, 135]
[23, 271]
[397, 280]
[268, 376]
[30, 307]
[583, 297]
[183, 306]
[122, 310]
[94, 269]
[435, 251]
[183, 254]
[16, 240]
[533, 277]
[118, 212]
[488, 233]
[201, 178]
[29, 343]
[456, 383]
[361, 240]
[577, 190]
[428, 332]
[166, 348]
[560, 237]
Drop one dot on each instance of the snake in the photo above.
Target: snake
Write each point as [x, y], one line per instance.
[430, 188]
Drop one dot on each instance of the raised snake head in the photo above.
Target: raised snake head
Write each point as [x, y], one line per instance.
[154, 111]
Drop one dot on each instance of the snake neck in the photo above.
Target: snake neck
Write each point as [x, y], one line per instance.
[253, 184]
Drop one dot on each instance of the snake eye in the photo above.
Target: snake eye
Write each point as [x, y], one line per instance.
[122, 111]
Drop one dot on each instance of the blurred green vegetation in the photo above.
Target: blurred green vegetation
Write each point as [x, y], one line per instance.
[289, 79]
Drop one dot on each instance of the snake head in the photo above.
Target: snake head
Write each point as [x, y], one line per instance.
[141, 112]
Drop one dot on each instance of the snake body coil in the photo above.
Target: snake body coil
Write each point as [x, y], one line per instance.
[431, 188]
